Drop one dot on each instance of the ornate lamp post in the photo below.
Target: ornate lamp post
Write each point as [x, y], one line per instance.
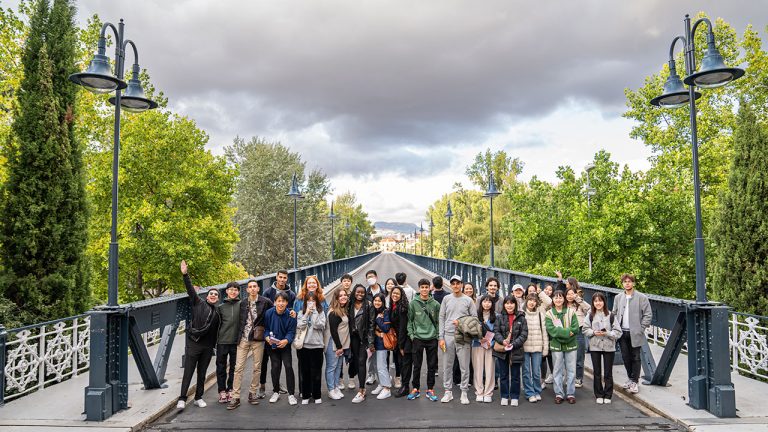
[332, 216]
[449, 215]
[590, 193]
[431, 236]
[296, 195]
[421, 241]
[491, 193]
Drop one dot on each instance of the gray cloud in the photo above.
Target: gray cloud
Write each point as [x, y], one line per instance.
[381, 77]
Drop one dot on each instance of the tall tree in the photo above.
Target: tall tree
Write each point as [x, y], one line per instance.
[42, 270]
[740, 270]
[353, 228]
[264, 215]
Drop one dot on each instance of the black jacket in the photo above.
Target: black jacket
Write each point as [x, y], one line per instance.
[204, 325]
[519, 336]
[272, 291]
[369, 317]
[400, 324]
[262, 306]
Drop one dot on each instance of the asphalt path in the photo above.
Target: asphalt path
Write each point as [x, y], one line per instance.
[401, 414]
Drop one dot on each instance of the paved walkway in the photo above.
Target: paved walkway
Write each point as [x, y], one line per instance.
[398, 414]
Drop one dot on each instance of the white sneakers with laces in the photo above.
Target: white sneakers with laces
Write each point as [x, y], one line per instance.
[180, 405]
[292, 400]
[513, 402]
[464, 398]
[359, 397]
[377, 390]
[447, 397]
[504, 401]
[385, 393]
[200, 403]
[275, 397]
[599, 401]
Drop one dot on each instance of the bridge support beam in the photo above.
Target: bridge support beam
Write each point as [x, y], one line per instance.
[107, 391]
[709, 369]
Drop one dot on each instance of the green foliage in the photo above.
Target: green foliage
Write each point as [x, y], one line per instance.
[264, 215]
[353, 229]
[740, 270]
[43, 210]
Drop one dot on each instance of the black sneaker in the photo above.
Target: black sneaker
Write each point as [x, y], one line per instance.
[253, 398]
[234, 403]
[402, 391]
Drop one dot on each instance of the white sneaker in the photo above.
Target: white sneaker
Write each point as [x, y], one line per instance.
[377, 390]
[549, 379]
[513, 402]
[599, 401]
[538, 397]
[351, 384]
[384, 394]
[627, 384]
[359, 397]
[340, 388]
[305, 401]
[464, 398]
[274, 398]
[200, 403]
[532, 399]
[447, 397]
[578, 383]
[292, 400]
[180, 405]
[398, 382]
[318, 401]
[370, 380]
[543, 385]
[333, 394]
[634, 388]
[607, 401]
[478, 398]
[487, 399]
[504, 401]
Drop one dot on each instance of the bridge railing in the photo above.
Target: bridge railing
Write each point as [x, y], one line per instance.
[40, 355]
[705, 326]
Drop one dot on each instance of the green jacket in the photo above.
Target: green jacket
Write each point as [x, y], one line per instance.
[229, 315]
[422, 318]
[562, 328]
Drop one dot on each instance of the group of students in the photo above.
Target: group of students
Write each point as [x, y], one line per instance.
[488, 342]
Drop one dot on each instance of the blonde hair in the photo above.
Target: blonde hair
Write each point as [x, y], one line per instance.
[304, 290]
[336, 307]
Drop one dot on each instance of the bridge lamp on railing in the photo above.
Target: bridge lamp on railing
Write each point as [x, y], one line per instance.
[421, 238]
[491, 193]
[346, 246]
[99, 79]
[332, 216]
[449, 215]
[296, 195]
[713, 73]
[431, 236]
[590, 192]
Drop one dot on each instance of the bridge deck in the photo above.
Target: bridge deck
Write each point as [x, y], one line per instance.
[398, 414]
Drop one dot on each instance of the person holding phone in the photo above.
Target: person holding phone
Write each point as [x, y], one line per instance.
[603, 330]
[312, 320]
[482, 351]
[510, 336]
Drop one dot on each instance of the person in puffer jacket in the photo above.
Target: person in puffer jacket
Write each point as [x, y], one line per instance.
[535, 347]
[511, 334]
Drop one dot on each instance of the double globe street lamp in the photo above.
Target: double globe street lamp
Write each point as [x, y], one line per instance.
[712, 74]
[296, 195]
[491, 193]
[449, 215]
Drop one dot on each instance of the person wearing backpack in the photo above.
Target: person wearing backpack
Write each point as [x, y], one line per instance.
[423, 313]
[602, 329]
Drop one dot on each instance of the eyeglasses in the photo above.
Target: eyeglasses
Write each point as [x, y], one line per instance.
[215, 293]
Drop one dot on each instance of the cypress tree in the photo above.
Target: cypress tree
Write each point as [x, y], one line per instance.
[42, 218]
[740, 271]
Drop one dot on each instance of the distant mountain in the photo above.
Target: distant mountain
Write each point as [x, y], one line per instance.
[399, 227]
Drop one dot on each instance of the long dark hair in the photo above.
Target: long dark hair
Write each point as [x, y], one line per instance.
[311, 296]
[492, 317]
[601, 296]
[401, 307]
[383, 302]
[509, 299]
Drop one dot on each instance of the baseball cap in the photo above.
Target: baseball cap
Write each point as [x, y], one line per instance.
[517, 287]
[455, 277]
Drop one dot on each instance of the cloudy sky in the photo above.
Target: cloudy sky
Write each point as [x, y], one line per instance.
[392, 99]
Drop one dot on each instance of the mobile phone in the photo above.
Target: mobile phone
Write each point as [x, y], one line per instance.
[602, 329]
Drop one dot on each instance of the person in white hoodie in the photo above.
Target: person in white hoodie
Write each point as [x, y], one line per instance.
[602, 329]
[312, 320]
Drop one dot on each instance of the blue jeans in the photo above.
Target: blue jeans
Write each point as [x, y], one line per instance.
[532, 374]
[333, 365]
[581, 352]
[509, 390]
[565, 366]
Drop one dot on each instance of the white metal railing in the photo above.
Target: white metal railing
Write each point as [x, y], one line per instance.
[41, 355]
[749, 347]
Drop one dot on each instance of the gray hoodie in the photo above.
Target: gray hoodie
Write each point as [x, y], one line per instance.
[316, 323]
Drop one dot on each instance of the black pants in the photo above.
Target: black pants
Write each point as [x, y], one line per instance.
[546, 361]
[197, 357]
[419, 346]
[405, 365]
[359, 359]
[225, 378]
[311, 361]
[397, 360]
[281, 357]
[604, 368]
[264, 369]
[631, 356]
